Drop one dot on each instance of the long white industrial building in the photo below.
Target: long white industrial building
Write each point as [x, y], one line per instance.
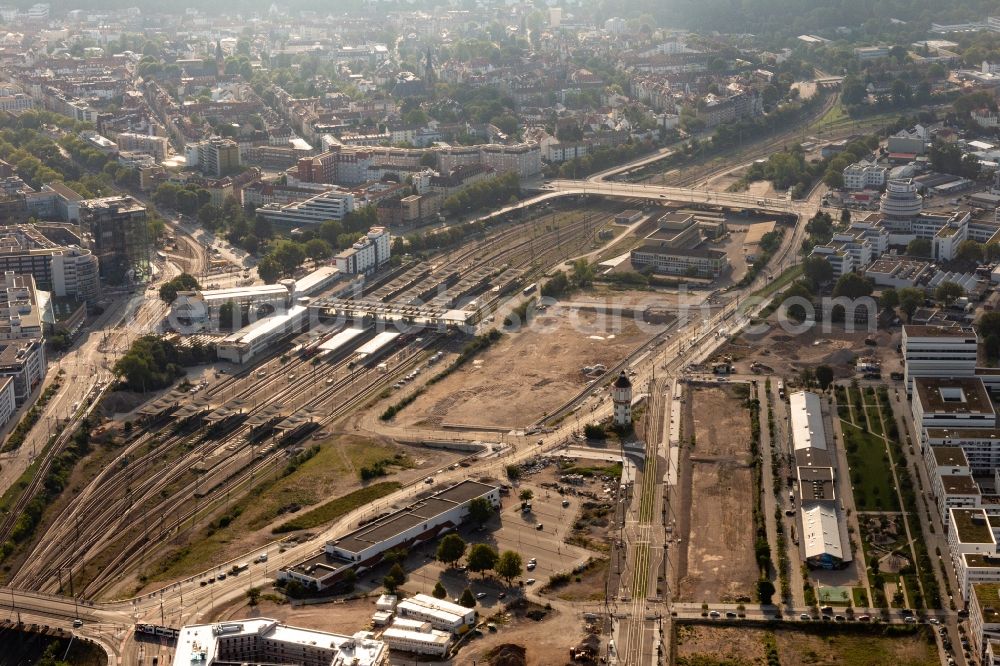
[821, 527]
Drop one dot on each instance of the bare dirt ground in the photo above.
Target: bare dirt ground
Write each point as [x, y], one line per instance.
[724, 644]
[547, 640]
[745, 645]
[528, 374]
[789, 352]
[719, 563]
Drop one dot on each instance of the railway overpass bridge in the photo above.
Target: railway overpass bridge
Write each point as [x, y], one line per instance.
[676, 194]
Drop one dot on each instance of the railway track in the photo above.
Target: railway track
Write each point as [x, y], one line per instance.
[114, 505]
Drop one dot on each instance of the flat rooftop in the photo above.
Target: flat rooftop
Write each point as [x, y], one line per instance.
[408, 517]
[950, 456]
[963, 433]
[953, 395]
[928, 331]
[960, 484]
[198, 643]
[816, 483]
[972, 526]
[988, 597]
[980, 561]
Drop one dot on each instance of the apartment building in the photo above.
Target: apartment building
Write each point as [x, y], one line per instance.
[864, 175]
[215, 156]
[368, 254]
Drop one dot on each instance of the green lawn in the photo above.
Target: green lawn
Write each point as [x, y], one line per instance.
[873, 419]
[871, 475]
[330, 511]
[860, 595]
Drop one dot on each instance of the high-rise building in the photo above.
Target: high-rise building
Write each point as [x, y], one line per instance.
[214, 157]
[120, 236]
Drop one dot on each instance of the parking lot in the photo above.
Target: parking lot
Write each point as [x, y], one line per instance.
[513, 529]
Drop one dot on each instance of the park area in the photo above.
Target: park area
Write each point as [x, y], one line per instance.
[717, 480]
[871, 471]
[704, 645]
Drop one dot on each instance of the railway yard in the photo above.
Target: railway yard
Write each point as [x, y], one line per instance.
[189, 456]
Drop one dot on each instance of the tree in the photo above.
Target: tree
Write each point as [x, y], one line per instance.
[269, 270]
[482, 558]
[480, 510]
[910, 298]
[969, 250]
[948, 291]
[468, 599]
[919, 247]
[852, 285]
[799, 289]
[395, 578]
[818, 270]
[889, 299]
[765, 591]
[439, 591]
[253, 596]
[525, 495]
[289, 255]
[824, 376]
[509, 566]
[513, 472]
[583, 273]
[183, 282]
[451, 549]
[989, 325]
[317, 249]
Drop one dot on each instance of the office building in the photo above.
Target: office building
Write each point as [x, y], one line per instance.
[938, 351]
[267, 641]
[23, 361]
[332, 204]
[442, 615]
[64, 270]
[697, 262]
[120, 237]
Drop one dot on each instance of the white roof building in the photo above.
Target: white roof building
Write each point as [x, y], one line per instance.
[263, 640]
[807, 421]
[821, 533]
